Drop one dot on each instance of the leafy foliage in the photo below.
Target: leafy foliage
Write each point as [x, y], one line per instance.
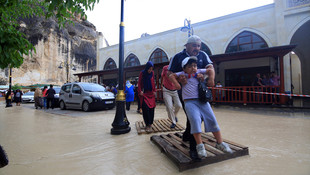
[13, 43]
[16, 86]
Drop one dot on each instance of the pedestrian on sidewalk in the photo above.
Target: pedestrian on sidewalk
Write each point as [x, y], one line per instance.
[146, 89]
[8, 99]
[130, 94]
[50, 97]
[139, 106]
[37, 98]
[171, 97]
[44, 95]
[18, 97]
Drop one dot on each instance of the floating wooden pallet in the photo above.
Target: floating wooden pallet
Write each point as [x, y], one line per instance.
[160, 125]
[178, 151]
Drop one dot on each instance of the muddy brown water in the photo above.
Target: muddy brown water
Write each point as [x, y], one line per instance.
[70, 142]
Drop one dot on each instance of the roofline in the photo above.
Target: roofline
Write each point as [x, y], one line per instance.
[278, 51]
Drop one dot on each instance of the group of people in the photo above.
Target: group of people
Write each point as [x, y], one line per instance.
[111, 88]
[271, 79]
[130, 92]
[180, 89]
[15, 96]
[44, 98]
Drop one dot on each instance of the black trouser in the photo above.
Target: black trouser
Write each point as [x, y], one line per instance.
[138, 101]
[8, 103]
[128, 105]
[48, 103]
[148, 114]
[187, 136]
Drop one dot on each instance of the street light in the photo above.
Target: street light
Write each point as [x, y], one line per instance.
[187, 27]
[67, 65]
[120, 124]
[10, 80]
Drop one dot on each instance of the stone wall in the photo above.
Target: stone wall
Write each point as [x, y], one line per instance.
[74, 46]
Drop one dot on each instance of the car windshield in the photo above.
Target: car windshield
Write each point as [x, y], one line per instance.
[57, 90]
[29, 93]
[93, 88]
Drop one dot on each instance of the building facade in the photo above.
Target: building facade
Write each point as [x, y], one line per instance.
[283, 25]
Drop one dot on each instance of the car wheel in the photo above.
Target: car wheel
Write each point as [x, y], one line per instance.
[85, 106]
[62, 105]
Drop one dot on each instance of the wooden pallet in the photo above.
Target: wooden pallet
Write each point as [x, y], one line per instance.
[160, 125]
[178, 150]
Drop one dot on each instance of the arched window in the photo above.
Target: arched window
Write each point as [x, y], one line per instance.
[205, 48]
[158, 56]
[132, 60]
[109, 64]
[246, 41]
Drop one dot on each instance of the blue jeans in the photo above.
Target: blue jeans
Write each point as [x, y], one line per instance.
[44, 99]
[198, 112]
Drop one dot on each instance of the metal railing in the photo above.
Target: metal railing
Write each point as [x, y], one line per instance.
[247, 94]
[242, 94]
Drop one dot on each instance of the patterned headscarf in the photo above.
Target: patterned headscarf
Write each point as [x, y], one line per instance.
[128, 84]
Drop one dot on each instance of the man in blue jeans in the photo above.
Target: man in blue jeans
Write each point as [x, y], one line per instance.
[192, 48]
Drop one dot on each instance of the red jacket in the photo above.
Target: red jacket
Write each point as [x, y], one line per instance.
[44, 92]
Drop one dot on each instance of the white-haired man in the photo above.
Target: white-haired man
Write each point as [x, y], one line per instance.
[192, 48]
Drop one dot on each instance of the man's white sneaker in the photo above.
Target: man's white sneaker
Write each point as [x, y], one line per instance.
[223, 147]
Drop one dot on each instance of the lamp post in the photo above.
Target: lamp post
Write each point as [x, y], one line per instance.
[187, 27]
[120, 124]
[67, 66]
[10, 80]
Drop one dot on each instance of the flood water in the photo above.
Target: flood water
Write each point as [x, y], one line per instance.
[70, 142]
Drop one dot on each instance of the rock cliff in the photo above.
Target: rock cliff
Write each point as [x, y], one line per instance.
[74, 46]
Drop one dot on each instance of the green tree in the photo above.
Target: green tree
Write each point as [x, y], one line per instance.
[16, 86]
[13, 43]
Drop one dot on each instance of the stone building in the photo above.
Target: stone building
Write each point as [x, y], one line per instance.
[276, 36]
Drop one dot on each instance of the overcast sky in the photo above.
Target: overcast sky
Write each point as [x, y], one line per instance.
[155, 16]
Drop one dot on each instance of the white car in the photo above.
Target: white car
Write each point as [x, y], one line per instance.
[85, 96]
[28, 97]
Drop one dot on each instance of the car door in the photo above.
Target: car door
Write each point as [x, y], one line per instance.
[76, 96]
[65, 94]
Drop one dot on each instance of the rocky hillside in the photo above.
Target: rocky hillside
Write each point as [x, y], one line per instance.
[75, 44]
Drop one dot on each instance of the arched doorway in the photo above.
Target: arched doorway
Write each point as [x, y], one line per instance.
[131, 61]
[109, 64]
[246, 41]
[243, 73]
[158, 57]
[205, 48]
[109, 80]
[302, 39]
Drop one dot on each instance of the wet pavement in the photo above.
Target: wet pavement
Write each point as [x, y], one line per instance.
[73, 142]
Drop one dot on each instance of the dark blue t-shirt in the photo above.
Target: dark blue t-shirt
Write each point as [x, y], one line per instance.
[175, 64]
[50, 93]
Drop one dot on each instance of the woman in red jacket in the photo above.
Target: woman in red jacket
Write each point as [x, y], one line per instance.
[44, 94]
[146, 90]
